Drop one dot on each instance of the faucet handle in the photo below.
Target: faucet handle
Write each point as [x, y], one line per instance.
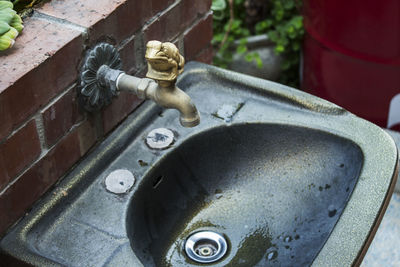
[94, 92]
[164, 61]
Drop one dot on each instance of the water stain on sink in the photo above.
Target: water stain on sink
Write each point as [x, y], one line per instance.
[331, 211]
[321, 188]
[288, 239]
[252, 249]
[272, 255]
[142, 163]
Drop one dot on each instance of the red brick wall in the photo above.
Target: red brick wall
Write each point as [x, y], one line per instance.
[43, 132]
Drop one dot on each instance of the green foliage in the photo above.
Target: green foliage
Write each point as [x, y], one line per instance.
[237, 31]
[20, 5]
[10, 25]
[283, 25]
[285, 28]
[218, 7]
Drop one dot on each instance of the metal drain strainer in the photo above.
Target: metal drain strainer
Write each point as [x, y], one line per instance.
[206, 247]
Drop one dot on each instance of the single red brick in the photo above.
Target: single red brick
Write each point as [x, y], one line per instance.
[4, 179]
[159, 5]
[166, 27]
[42, 63]
[61, 116]
[6, 219]
[117, 19]
[205, 56]
[198, 37]
[20, 196]
[142, 72]
[21, 149]
[5, 119]
[193, 10]
[87, 136]
[128, 56]
[66, 154]
[124, 104]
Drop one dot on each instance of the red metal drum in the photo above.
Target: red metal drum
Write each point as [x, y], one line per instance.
[351, 56]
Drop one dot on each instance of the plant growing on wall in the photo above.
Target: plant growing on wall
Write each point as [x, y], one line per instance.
[282, 23]
[10, 25]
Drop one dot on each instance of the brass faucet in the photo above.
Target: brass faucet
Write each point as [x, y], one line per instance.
[164, 65]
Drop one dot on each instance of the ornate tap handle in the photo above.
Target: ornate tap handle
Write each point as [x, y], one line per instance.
[93, 92]
[164, 61]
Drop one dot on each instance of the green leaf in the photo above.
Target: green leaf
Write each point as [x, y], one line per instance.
[262, 26]
[297, 21]
[279, 15]
[239, 2]
[218, 15]
[243, 41]
[218, 5]
[249, 57]
[288, 4]
[283, 41]
[258, 60]
[279, 49]
[235, 24]
[246, 32]
[241, 49]
[218, 37]
[273, 36]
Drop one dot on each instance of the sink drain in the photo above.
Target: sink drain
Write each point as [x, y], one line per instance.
[206, 247]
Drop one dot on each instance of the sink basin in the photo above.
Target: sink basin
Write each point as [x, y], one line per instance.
[286, 178]
[269, 188]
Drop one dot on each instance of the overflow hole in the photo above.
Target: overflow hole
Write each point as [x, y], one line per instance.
[158, 181]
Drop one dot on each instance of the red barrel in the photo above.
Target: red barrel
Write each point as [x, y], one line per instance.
[351, 56]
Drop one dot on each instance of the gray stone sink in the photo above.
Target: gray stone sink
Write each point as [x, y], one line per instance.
[269, 188]
[286, 178]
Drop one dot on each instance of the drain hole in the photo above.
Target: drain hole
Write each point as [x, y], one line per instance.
[205, 247]
[158, 181]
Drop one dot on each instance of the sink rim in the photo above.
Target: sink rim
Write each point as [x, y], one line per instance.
[369, 140]
[371, 210]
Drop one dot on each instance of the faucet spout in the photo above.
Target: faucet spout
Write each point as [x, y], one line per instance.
[173, 97]
[178, 99]
[165, 94]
